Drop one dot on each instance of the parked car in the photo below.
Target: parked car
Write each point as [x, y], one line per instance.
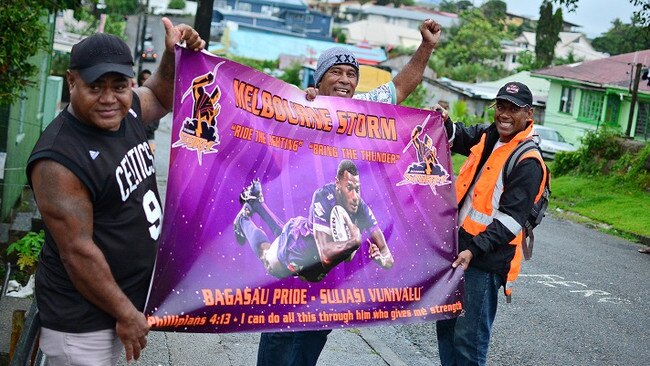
[551, 142]
[148, 52]
[148, 36]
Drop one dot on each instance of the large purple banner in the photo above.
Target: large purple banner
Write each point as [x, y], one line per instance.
[288, 214]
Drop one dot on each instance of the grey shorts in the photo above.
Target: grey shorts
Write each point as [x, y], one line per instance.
[100, 348]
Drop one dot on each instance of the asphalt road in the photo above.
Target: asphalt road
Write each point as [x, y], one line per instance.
[581, 300]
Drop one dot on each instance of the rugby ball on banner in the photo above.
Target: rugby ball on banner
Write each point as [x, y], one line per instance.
[340, 230]
[339, 227]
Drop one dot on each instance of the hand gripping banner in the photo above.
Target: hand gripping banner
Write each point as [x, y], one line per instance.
[287, 214]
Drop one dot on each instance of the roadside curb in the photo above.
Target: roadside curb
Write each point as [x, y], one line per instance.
[559, 213]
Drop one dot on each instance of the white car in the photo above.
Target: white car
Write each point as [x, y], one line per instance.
[551, 142]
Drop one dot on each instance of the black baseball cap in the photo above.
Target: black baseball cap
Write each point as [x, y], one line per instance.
[99, 54]
[516, 93]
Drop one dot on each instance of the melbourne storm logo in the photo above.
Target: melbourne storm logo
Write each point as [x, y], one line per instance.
[200, 131]
[427, 171]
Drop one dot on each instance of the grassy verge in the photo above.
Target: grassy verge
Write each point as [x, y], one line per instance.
[605, 202]
[622, 206]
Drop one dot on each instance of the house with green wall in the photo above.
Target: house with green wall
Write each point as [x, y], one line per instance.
[589, 95]
[22, 123]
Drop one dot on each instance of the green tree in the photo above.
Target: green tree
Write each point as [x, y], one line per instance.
[122, 7]
[338, 35]
[22, 35]
[401, 51]
[396, 3]
[455, 6]
[495, 12]
[176, 4]
[291, 74]
[526, 60]
[419, 98]
[548, 33]
[115, 23]
[259, 65]
[470, 52]
[464, 5]
[60, 63]
[570, 59]
[623, 38]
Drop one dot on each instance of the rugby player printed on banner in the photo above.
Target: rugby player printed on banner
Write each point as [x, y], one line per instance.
[309, 247]
[287, 214]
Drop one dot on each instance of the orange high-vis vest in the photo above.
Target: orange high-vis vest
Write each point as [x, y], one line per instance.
[484, 196]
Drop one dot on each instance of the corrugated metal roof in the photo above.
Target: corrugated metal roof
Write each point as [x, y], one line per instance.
[539, 87]
[382, 34]
[488, 90]
[296, 3]
[444, 19]
[612, 71]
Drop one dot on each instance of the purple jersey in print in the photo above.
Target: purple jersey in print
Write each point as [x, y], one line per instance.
[296, 244]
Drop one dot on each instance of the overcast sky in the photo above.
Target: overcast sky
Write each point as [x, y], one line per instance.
[595, 16]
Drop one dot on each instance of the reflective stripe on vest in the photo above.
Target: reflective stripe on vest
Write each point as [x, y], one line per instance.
[481, 206]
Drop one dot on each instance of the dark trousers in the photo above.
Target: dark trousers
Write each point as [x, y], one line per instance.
[464, 341]
[291, 348]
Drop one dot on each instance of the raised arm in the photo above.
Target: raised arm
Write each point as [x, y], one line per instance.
[67, 210]
[157, 93]
[411, 75]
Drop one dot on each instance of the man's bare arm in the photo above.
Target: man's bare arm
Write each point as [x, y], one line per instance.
[411, 75]
[334, 252]
[67, 210]
[379, 251]
[157, 93]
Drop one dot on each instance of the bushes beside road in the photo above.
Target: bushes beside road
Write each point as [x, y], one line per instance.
[606, 180]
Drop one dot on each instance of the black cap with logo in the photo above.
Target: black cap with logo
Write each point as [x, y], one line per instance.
[516, 93]
[99, 54]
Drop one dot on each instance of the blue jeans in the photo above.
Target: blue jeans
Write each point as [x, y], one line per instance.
[291, 348]
[465, 340]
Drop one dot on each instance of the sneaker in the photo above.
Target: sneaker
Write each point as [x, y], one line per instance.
[245, 212]
[253, 192]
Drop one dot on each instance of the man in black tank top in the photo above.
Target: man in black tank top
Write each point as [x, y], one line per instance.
[93, 177]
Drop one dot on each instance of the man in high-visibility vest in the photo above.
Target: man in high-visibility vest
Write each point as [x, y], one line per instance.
[492, 212]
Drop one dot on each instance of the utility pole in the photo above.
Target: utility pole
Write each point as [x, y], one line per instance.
[136, 48]
[203, 20]
[143, 32]
[635, 92]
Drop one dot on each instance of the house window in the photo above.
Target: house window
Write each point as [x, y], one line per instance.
[514, 58]
[566, 101]
[591, 106]
[309, 19]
